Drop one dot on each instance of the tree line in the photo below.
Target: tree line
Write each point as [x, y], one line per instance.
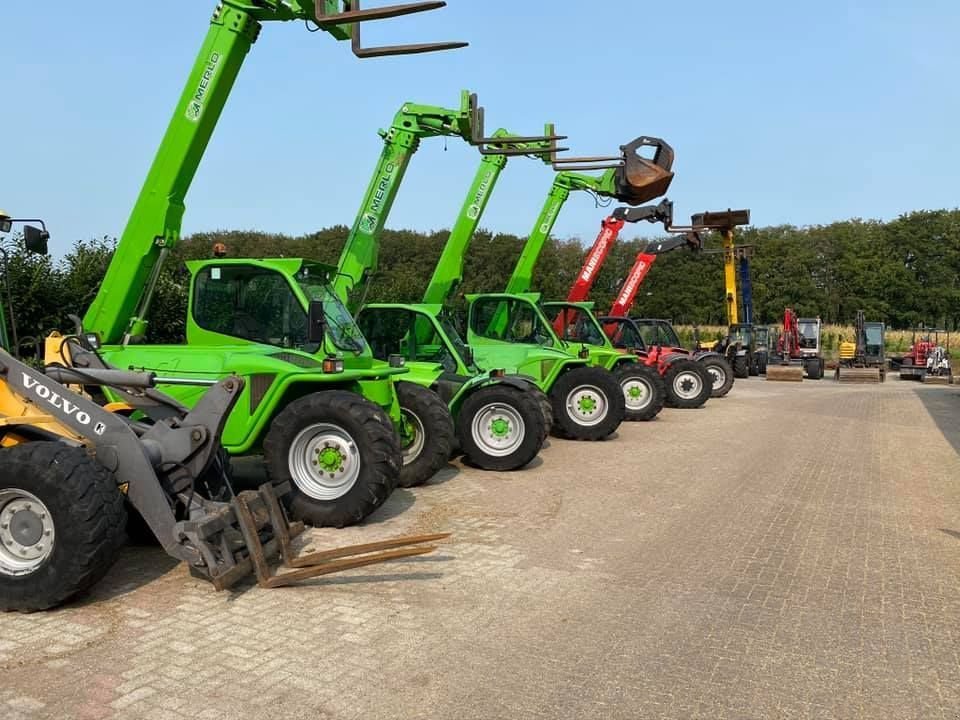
[905, 272]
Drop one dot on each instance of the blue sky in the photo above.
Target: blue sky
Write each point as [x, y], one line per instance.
[805, 112]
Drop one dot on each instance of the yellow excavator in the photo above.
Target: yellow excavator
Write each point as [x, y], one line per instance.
[863, 360]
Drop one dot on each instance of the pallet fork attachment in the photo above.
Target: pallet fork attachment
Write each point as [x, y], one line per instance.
[353, 15]
[256, 510]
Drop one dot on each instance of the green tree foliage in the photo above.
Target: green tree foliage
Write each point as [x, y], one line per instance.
[906, 272]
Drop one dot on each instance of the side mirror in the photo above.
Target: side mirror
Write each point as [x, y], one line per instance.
[35, 239]
[6, 224]
[316, 323]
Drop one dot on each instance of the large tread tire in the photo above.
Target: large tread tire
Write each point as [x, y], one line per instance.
[528, 418]
[567, 385]
[428, 453]
[721, 373]
[653, 395]
[682, 378]
[741, 367]
[376, 449]
[87, 511]
[546, 408]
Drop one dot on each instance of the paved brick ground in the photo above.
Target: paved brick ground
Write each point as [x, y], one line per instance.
[792, 551]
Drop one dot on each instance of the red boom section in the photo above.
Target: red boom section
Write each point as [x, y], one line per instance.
[628, 293]
[609, 230]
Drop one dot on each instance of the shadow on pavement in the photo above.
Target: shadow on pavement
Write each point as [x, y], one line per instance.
[943, 404]
[952, 533]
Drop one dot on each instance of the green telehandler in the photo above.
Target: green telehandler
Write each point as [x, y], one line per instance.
[497, 417]
[323, 411]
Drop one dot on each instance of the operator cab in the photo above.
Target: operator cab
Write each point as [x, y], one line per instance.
[623, 333]
[268, 302]
[416, 336]
[575, 324]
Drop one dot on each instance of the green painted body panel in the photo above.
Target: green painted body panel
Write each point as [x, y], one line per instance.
[259, 366]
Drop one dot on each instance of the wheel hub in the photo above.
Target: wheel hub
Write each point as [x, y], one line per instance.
[26, 532]
[717, 375]
[687, 385]
[324, 461]
[635, 394]
[498, 430]
[587, 405]
[414, 438]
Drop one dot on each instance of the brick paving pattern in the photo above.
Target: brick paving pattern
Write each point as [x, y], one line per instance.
[791, 551]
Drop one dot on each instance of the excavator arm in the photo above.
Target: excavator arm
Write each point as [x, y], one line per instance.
[122, 303]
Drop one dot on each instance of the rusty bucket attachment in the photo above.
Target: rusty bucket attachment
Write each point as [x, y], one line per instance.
[640, 179]
[327, 16]
[785, 373]
[723, 220]
[246, 535]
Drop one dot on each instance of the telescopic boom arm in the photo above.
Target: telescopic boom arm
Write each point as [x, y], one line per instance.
[629, 178]
[411, 124]
[120, 308]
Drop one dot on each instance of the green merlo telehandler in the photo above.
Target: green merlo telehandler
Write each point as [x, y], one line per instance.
[498, 417]
[323, 411]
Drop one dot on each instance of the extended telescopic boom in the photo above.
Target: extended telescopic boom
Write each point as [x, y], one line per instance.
[120, 308]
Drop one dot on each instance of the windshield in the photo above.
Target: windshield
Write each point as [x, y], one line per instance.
[575, 324]
[761, 334]
[809, 337]
[874, 335]
[458, 343]
[623, 334]
[740, 334]
[514, 320]
[341, 328]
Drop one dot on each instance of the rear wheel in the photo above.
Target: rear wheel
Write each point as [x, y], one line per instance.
[431, 438]
[643, 391]
[721, 375]
[587, 404]
[61, 524]
[741, 366]
[340, 454]
[501, 427]
[688, 384]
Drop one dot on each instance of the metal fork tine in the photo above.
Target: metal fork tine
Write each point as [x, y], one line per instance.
[350, 550]
[379, 13]
[293, 576]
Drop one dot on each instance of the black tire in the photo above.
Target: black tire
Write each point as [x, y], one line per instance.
[688, 384]
[762, 364]
[86, 509]
[814, 369]
[546, 408]
[741, 367]
[375, 449]
[720, 373]
[643, 391]
[521, 418]
[590, 380]
[435, 435]
[753, 368]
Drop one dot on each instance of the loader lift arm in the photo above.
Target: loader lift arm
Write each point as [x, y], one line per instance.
[120, 308]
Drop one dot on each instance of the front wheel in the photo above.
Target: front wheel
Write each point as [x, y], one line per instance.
[62, 524]
[587, 404]
[741, 366]
[501, 427]
[429, 442]
[340, 454]
[720, 373]
[688, 384]
[643, 391]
